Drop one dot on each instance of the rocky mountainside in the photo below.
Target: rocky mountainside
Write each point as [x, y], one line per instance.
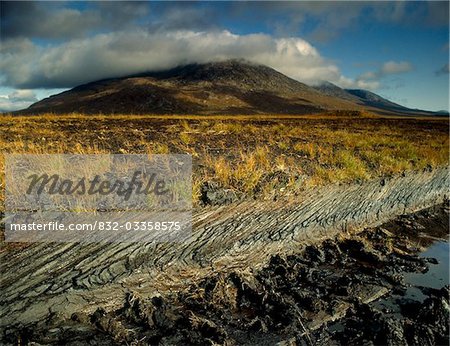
[331, 89]
[230, 87]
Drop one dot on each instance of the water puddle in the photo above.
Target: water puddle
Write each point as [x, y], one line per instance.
[436, 277]
[438, 274]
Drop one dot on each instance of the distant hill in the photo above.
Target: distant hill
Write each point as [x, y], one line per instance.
[230, 87]
[371, 101]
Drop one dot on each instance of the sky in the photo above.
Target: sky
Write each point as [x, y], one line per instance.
[397, 49]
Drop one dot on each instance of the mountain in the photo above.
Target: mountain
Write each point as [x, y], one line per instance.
[331, 89]
[370, 101]
[373, 100]
[229, 87]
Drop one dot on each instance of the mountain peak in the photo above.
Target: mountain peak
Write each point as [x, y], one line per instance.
[235, 72]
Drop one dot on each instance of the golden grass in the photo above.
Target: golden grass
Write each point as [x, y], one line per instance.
[250, 154]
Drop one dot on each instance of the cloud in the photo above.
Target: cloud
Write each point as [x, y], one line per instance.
[315, 20]
[18, 99]
[371, 80]
[437, 13]
[411, 13]
[322, 21]
[392, 67]
[183, 16]
[57, 20]
[23, 95]
[386, 69]
[358, 83]
[443, 70]
[67, 20]
[26, 65]
[319, 21]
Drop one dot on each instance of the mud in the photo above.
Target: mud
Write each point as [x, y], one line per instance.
[348, 290]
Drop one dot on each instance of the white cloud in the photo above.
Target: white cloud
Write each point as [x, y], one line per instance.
[393, 67]
[22, 95]
[18, 99]
[26, 65]
[358, 83]
[371, 80]
[387, 69]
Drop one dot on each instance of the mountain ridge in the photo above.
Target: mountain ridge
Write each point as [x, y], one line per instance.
[228, 87]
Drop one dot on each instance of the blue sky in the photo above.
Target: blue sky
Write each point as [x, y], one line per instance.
[396, 49]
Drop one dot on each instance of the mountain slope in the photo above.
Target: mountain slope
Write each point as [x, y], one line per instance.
[333, 90]
[369, 100]
[373, 100]
[230, 87]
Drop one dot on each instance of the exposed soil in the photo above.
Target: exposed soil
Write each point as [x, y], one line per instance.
[293, 300]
